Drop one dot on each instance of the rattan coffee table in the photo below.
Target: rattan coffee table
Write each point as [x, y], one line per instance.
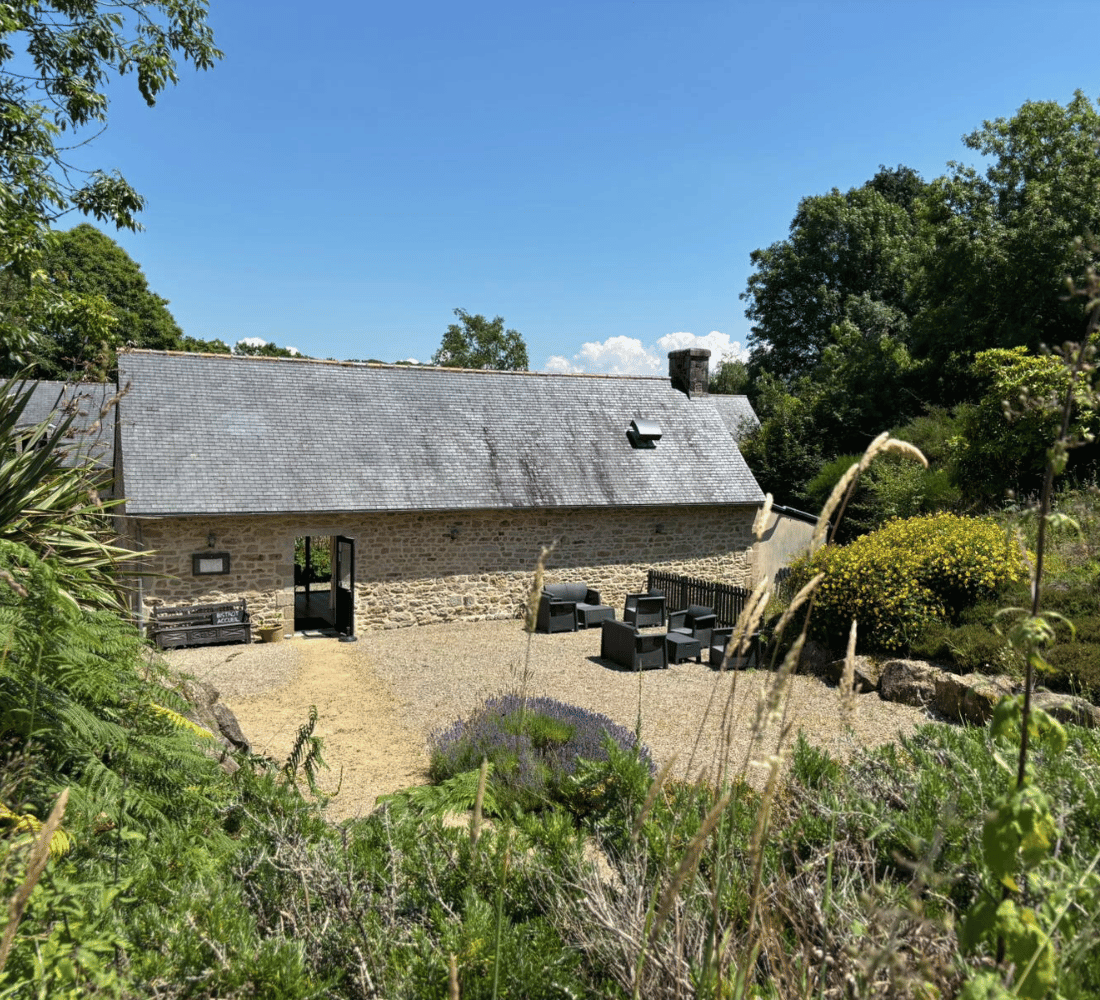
[680, 647]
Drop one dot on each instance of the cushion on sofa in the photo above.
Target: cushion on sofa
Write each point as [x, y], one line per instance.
[575, 592]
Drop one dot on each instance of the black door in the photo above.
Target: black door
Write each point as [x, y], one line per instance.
[343, 581]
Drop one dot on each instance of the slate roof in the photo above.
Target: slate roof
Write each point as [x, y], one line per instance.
[736, 412]
[91, 434]
[212, 434]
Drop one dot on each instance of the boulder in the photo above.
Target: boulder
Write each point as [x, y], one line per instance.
[1067, 708]
[970, 698]
[909, 682]
[229, 727]
[206, 710]
[814, 660]
[865, 677]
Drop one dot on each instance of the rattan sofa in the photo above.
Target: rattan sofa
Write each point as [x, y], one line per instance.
[565, 607]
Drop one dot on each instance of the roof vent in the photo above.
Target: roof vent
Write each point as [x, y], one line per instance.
[644, 433]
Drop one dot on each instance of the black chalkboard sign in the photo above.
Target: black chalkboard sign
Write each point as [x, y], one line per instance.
[226, 617]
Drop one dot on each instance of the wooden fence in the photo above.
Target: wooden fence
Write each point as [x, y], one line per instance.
[680, 591]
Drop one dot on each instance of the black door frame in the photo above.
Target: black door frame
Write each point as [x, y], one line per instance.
[343, 582]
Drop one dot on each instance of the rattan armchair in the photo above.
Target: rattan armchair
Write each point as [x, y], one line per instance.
[621, 643]
[695, 620]
[644, 610]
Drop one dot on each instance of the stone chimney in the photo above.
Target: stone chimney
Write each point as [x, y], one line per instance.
[690, 370]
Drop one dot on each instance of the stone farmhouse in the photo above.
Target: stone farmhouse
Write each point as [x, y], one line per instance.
[434, 489]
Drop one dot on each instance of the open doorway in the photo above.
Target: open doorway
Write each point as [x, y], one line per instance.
[313, 597]
[324, 585]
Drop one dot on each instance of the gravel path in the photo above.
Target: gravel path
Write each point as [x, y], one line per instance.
[379, 698]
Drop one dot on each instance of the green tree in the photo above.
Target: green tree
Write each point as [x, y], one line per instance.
[1005, 241]
[998, 456]
[846, 254]
[730, 378]
[785, 451]
[71, 49]
[862, 384]
[246, 348]
[475, 342]
[87, 262]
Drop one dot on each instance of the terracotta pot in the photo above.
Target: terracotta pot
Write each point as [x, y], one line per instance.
[270, 633]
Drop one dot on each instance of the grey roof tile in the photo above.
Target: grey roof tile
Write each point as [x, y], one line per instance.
[217, 434]
[735, 411]
[91, 433]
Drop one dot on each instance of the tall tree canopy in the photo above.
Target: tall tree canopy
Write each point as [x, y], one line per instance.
[873, 310]
[848, 258]
[1004, 240]
[56, 58]
[475, 342]
[88, 262]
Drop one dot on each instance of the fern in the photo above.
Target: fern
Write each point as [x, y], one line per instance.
[72, 681]
[455, 795]
[181, 721]
[26, 828]
[305, 755]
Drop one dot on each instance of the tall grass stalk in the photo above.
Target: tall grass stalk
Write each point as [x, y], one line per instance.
[738, 646]
[36, 865]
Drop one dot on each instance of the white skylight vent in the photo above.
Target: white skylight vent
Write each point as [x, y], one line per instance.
[644, 433]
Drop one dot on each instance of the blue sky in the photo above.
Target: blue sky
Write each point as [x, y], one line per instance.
[595, 172]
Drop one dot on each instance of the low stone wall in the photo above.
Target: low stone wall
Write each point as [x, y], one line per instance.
[419, 568]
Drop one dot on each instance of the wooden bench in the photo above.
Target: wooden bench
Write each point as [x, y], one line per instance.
[201, 624]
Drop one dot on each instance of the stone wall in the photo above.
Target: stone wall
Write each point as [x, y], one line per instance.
[418, 568]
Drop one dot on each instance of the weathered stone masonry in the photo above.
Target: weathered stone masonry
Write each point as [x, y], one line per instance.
[419, 568]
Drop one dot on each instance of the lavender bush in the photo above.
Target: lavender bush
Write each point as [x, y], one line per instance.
[534, 745]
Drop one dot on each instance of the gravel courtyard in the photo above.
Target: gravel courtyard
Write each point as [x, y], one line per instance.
[379, 698]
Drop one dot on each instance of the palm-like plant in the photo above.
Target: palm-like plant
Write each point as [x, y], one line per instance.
[54, 508]
[73, 680]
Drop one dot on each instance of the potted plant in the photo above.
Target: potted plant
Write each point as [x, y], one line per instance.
[269, 626]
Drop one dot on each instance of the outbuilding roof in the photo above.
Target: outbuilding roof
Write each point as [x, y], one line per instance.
[90, 436]
[213, 434]
[736, 412]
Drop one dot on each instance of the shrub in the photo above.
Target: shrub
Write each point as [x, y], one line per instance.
[907, 575]
[932, 643]
[1075, 667]
[534, 745]
[997, 456]
[893, 487]
[969, 648]
[978, 649]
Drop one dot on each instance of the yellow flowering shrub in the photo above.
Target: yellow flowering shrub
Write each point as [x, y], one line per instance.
[907, 575]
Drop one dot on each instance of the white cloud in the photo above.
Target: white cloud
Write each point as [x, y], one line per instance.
[615, 356]
[260, 342]
[629, 356]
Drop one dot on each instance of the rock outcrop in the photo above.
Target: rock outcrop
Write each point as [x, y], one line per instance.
[971, 697]
[209, 712]
[865, 677]
[968, 698]
[1067, 708]
[910, 682]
